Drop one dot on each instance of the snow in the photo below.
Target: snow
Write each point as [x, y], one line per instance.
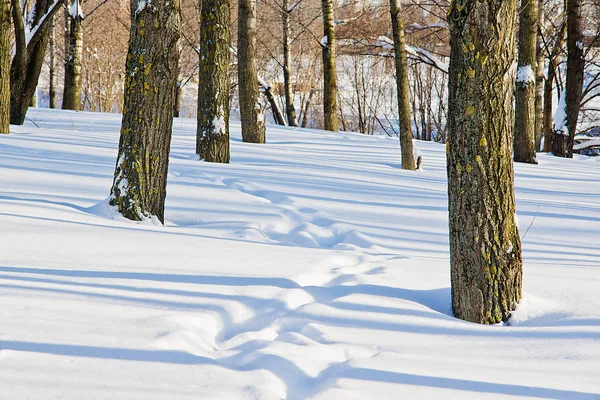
[559, 121]
[525, 74]
[76, 11]
[324, 41]
[310, 267]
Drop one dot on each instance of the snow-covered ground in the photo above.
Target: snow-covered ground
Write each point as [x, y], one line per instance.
[310, 267]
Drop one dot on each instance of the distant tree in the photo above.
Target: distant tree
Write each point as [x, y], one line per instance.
[290, 110]
[566, 125]
[4, 66]
[540, 75]
[31, 40]
[212, 136]
[251, 116]
[73, 62]
[525, 84]
[553, 61]
[139, 187]
[485, 247]
[330, 108]
[52, 68]
[401, 61]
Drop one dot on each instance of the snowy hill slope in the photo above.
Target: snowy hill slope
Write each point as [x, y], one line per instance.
[310, 267]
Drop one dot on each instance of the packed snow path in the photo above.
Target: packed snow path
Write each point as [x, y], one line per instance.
[309, 267]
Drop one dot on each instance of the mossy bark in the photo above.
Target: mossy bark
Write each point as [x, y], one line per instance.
[251, 117]
[212, 135]
[485, 247]
[401, 61]
[562, 144]
[139, 186]
[330, 109]
[73, 72]
[5, 28]
[524, 146]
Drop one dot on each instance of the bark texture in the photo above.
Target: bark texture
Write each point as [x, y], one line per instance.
[139, 187]
[548, 93]
[539, 78]
[524, 146]
[4, 66]
[29, 55]
[485, 247]
[330, 117]
[73, 72]
[562, 143]
[251, 117]
[401, 61]
[290, 110]
[212, 135]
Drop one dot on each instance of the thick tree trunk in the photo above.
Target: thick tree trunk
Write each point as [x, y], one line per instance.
[539, 78]
[4, 66]
[562, 143]
[29, 56]
[401, 61]
[212, 135]
[485, 247]
[330, 109]
[290, 110]
[524, 145]
[251, 117]
[139, 187]
[52, 69]
[73, 73]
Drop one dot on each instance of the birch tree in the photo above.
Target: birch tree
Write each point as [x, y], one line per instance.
[330, 108]
[485, 247]
[140, 180]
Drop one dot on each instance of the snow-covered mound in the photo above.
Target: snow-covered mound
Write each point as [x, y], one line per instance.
[309, 267]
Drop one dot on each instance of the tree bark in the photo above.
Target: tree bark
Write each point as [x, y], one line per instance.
[5, 29]
[212, 136]
[140, 180]
[277, 114]
[251, 117]
[539, 78]
[330, 109]
[548, 92]
[562, 143]
[52, 69]
[485, 247]
[73, 74]
[29, 55]
[290, 110]
[524, 146]
[401, 61]
[177, 101]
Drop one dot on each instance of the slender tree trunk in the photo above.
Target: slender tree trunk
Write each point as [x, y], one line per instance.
[5, 29]
[277, 114]
[539, 77]
[548, 92]
[73, 73]
[525, 84]
[29, 56]
[485, 247]
[307, 108]
[212, 136]
[177, 101]
[290, 110]
[251, 117]
[139, 187]
[401, 61]
[562, 143]
[330, 108]
[52, 69]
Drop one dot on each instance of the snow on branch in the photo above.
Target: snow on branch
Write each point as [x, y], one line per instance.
[31, 31]
[414, 52]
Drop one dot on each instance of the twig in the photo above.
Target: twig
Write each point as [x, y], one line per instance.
[531, 224]
[33, 122]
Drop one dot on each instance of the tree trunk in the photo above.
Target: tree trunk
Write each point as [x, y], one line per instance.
[177, 101]
[5, 29]
[485, 247]
[277, 114]
[290, 110]
[73, 74]
[139, 187]
[539, 77]
[330, 109]
[307, 108]
[29, 56]
[524, 145]
[562, 143]
[52, 69]
[548, 93]
[401, 61]
[212, 136]
[251, 117]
